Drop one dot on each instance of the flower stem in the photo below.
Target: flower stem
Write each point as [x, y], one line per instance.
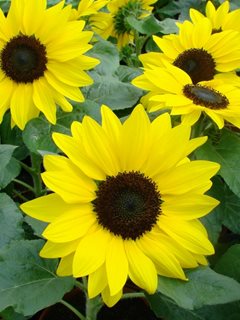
[133, 295]
[36, 171]
[25, 185]
[74, 310]
[92, 307]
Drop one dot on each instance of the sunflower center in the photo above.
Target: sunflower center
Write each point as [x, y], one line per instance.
[24, 59]
[120, 21]
[128, 205]
[205, 96]
[197, 63]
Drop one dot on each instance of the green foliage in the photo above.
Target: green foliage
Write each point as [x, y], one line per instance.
[108, 87]
[205, 287]
[226, 152]
[10, 220]
[27, 282]
[9, 165]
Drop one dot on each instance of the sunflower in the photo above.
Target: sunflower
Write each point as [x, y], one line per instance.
[125, 203]
[87, 8]
[41, 60]
[114, 23]
[197, 51]
[171, 87]
[220, 18]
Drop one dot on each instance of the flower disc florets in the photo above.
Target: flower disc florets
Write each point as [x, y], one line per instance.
[128, 204]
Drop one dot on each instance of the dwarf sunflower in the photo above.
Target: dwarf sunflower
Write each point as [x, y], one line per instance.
[41, 60]
[114, 23]
[197, 51]
[171, 87]
[126, 202]
[220, 18]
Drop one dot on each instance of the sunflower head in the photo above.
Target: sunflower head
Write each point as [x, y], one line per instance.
[41, 60]
[115, 22]
[126, 201]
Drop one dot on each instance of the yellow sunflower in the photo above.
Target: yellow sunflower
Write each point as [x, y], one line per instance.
[114, 23]
[125, 203]
[197, 51]
[172, 88]
[220, 18]
[87, 8]
[41, 60]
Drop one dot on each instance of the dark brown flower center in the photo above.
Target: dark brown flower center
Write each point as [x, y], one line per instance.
[197, 63]
[128, 205]
[206, 96]
[24, 59]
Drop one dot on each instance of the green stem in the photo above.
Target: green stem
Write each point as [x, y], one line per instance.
[92, 307]
[19, 195]
[36, 167]
[81, 286]
[27, 168]
[74, 310]
[26, 185]
[133, 295]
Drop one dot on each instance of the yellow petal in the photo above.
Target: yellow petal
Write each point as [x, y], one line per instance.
[141, 269]
[187, 177]
[71, 225]
[46, 208]
[188, 234]
[43, 99]
[116, 265]
[97, 281]
[188, 206]
[166, 263]
[74, 150]
[109, 300]
[65, 266]
[56, 250]
[22, 106]
[91, 253]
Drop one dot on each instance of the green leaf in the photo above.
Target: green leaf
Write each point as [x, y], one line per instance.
[27, 282]
[229, 263]
[168, 25]
[227, 153]
[10, 172]
[228, 211]
[10, 221]
[10, 314]
[205, 287]
[150, 25]
[108, 87]
[36, 225]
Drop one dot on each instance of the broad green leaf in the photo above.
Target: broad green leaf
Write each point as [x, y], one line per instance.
[108, 55]
[10, 220]
[37, 136]
[108, 87]
[148, 26]
[36, 225]
[227, 212]
[27, 282]
[227, 153]
[229, 263]
[10, 172]
[168, 25]
[205, 287]
[166, 309]
[6, 152]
